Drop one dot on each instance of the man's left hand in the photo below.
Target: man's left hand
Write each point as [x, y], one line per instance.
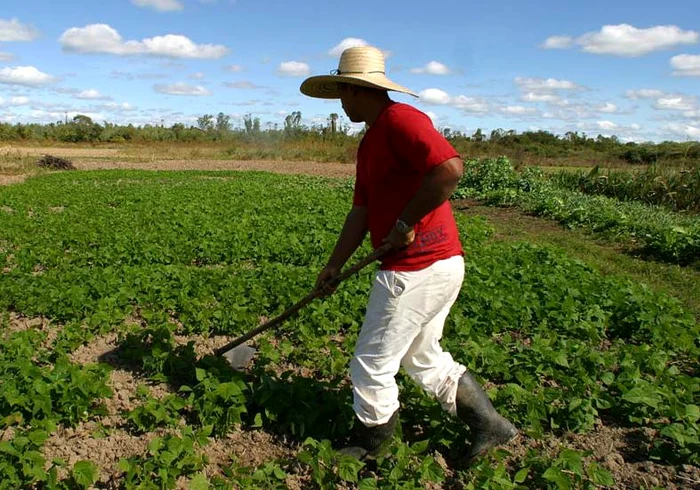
[400, 240]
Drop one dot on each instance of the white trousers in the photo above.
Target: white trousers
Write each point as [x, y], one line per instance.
[403, 326]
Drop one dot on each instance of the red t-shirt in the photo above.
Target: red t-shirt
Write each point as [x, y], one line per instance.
[396, 152]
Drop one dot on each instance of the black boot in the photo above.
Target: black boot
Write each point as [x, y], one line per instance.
[371, 441]
[488, 428]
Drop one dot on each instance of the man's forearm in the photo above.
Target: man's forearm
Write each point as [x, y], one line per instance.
[351, 237]
[437, 187]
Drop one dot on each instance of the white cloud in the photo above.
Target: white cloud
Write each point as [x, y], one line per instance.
[645, 93]
[607, 125]
[541, 84]
[348, 42]
[608, 108]
[676, 103]
[181, 89]
[686, 65]
[433, 68]
[18, 101]
[24, 75]
[540, 97]
[435, 96]
[197, 76]
[685, 130]
[351, 42]
[116, 107]
[14, 30]
[6, 56]
[15, 101]
[293, 69]
[234, 68]
[518, 110]
[628, 40]
[558, 42]
[160, 5]
[91, 94]
[243, 84]
[101, 38]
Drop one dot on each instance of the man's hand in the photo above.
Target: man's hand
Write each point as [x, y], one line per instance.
[400, 240]
[327, 276]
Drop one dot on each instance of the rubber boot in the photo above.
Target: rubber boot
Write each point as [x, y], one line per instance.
[487, 428]
[371, 441]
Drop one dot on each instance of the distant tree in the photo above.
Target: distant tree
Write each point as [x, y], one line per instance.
[205, 122]
[223, 123]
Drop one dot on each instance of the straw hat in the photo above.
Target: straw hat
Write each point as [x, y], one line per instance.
[362, 65]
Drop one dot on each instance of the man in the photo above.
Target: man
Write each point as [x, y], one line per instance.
[406, 172]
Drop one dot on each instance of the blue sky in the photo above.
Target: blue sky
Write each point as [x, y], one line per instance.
[626, 68]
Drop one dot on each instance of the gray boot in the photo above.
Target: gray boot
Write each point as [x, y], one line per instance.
[488, 428]
[371, 441]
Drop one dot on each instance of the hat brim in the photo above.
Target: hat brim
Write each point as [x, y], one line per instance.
[326, 86]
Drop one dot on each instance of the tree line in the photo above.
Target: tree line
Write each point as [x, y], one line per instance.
[219, 128]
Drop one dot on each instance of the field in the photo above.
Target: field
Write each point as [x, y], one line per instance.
[117, 283]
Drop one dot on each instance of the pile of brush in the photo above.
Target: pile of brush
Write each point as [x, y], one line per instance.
[56, 163]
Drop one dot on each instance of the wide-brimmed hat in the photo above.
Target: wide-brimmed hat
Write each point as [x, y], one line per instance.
[361, 65]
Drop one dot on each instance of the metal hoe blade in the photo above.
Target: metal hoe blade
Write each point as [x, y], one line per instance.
[239, 357]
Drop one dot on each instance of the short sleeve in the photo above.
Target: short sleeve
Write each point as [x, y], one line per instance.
[414, 138]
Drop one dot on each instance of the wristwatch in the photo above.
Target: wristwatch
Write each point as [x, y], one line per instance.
[402, 227]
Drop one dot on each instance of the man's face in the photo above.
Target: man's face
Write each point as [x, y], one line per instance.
[349, 101]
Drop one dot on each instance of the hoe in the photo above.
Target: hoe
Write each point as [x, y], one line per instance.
[239, 355]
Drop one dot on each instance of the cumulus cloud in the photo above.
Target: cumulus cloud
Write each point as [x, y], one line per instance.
[351, 42]
[673, 102]
[234, 68]
[101, 38]
[518, 110]
[544, 85]
[15, 101]
[645, 93]
[608, 108]
[540, 97]
[293, 69]
[160, 5]
[243, 84]
[433, 68]
[13, 30]
[181, 89]
[686, 65]
[684, 130]
[348, 42]
[626, 40]
[91, 94]
[25, 75]
[435, 96]
[558, 42]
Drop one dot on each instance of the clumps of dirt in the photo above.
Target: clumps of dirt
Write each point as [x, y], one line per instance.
[20, 323]
[245, 448]
[55, 163]
[75, 444]
[624, 451]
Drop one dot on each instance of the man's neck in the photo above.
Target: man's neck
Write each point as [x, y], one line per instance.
[376, 109]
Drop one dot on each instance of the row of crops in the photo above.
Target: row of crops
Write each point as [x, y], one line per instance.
[658, 232]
